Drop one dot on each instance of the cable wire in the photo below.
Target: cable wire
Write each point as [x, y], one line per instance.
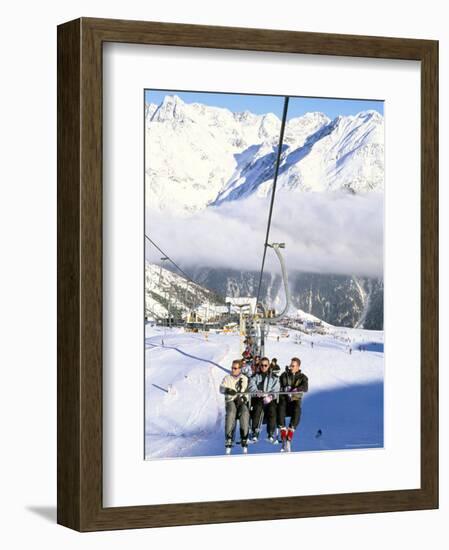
[182, 271]
[168, 258]
[273, 192]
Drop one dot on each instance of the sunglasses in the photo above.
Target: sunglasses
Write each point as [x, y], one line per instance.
[265, 365]
[235, 368]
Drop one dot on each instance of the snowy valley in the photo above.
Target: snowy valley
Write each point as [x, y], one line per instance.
[209, 168]
[209, 176]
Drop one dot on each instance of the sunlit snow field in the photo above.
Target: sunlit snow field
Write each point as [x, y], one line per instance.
[185, 412]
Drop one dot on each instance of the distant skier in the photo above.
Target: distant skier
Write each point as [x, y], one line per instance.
[262, 385]
[233, 386]
[295, 381]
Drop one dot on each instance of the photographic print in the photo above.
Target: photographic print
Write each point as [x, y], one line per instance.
[264, 321]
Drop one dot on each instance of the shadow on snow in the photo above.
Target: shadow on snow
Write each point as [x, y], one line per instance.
[349, 417]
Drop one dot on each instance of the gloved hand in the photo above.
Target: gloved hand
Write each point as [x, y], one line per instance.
[267, 399]
[230, 391]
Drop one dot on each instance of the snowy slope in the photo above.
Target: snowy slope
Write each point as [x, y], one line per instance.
[165, 290]
[346, 154]
[185, 411]
[190, 150]
[340, 300]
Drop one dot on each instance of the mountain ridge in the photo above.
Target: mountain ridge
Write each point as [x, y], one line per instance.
[200, 156]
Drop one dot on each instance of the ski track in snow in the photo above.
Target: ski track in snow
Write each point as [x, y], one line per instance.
[345, 399]
[188, 355]
[200, 411]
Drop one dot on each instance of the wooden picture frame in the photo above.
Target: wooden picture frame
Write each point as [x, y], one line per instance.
[80, 351]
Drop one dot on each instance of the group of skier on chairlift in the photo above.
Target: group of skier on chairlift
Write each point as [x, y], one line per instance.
[257, 393]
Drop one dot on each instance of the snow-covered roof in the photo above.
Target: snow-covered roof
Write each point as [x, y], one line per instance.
[241, 301]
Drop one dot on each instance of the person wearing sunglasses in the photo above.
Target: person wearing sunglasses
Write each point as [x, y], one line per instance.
[234, 386]
[262, 386]
[294, 381]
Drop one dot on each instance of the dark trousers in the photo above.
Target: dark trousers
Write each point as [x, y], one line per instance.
[290, 408]
[236, 411]
[269, 414]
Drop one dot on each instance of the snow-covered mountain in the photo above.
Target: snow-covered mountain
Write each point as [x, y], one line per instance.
[341, 300]
[167, 292]
[199, 156]
[336, 299]
[191, 148]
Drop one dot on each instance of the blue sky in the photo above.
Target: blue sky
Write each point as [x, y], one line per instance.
[261, 104]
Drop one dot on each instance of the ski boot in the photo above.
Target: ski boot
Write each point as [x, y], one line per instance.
[228, 446]
[283, 432]
[288, 443]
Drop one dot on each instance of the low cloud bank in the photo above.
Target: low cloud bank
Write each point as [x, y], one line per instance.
[323, 232]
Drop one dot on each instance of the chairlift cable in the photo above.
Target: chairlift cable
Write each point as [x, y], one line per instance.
[182, 271]
[273, 192]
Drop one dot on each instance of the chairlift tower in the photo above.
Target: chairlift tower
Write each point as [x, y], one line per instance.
[160, 268]
[266, 320]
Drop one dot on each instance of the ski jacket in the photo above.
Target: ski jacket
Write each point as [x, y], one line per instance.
[237, 383]
[264, 383]
[247, 370]
[275, 369]
[298, 383]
